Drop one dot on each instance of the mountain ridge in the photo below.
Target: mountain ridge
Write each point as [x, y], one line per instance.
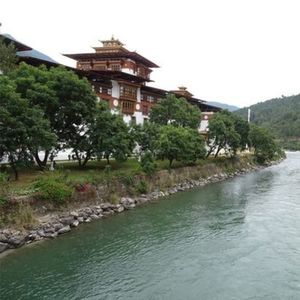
[223, 105]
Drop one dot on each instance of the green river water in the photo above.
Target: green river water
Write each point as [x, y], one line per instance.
[237, 239]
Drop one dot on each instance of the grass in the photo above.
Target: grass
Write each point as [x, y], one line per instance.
[95, 172]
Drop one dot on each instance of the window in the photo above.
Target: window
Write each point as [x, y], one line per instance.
[128, 91]
[150, 98]
[145, 110]
[100, 67]
[104, 90]
[115, 67]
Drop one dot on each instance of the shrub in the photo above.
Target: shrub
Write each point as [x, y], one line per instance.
[114, 198]
[4, 188]
[148, 164]
[142, 187]
[52, 188]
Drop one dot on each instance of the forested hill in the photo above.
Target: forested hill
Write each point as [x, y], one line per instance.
[223, 105]
[281, 116]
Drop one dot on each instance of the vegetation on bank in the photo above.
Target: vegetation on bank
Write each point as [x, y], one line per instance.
[71, 186]
[280, 116]
[51, 110]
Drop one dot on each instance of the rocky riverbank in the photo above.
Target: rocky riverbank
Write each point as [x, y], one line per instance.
[58, 223]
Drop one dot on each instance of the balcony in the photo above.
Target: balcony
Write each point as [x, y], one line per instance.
[128, 107]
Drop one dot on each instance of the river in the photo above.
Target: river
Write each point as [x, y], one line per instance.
[237, 239]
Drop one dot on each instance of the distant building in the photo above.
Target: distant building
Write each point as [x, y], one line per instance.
[28, 54]
[120, 77]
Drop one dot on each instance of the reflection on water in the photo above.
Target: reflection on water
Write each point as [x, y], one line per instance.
[237, 239]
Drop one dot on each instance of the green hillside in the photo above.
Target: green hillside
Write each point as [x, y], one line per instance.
[281, 116]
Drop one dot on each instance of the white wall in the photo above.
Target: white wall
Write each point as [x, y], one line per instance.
[115, 92]
[203, 126]
[139, 117]
[128, 71]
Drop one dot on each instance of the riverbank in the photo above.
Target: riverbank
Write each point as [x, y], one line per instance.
[90, 204]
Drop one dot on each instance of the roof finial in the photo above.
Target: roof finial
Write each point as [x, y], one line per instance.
[112, 37]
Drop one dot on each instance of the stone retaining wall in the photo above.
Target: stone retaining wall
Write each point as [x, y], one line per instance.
[62, 223]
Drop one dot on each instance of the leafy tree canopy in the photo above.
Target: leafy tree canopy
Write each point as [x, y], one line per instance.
[263, 143]
[179, 143]
[175, 111]
[222, 133]
[8, 58]
[146, 137]
[106, 136]
[67, 101]
[23, 129]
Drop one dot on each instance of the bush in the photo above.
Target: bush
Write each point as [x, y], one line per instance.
[52, 188]
[148, 164]
[142, 187]
[4, 189]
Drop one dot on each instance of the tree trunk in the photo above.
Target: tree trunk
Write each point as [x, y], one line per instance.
[170, 162]
[107, 159]
[87, 158]
[210, 151]
[78, 158]
[219, 148]
[41, 163]
[14, 167]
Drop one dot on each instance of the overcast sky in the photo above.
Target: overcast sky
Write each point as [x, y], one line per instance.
[234, 51]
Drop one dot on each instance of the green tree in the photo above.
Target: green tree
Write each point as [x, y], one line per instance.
[179, 143]
[76, 105]
[222, 134]
[8, 58]
[23, 128]
[175, 111]
[105, 136]
[117, 141]
[146, 137]
[265, 147]
[33, 84]
[68, 102]
[242, 127]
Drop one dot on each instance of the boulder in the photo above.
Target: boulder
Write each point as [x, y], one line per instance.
[75, 223]
[41, 233]
[83, 215]
[94, 217]
[128, 203]
[17, 241]
[67, 220]
[51, 235]
[3, 238]
[98, 211]
[74, 214]
[3, 247]
[58, 226]
[33, 236]
[118, 208]
[88, 211]
[106, 206]
[49, 230]
[80, 219]
[142, 199]
[64, 229]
